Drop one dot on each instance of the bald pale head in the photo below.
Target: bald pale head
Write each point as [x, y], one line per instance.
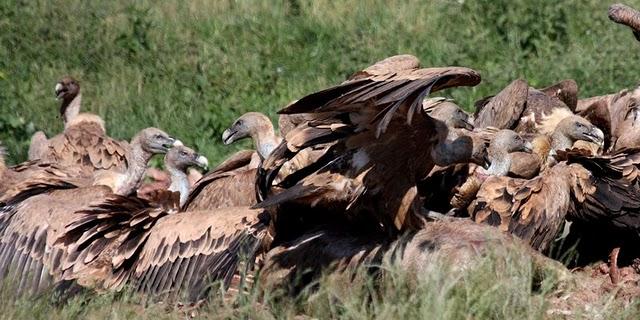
[250, 124]
[181, 157]
[575, 128]
[448, 112]
[154, 140]
[502, 145]
[508, 141]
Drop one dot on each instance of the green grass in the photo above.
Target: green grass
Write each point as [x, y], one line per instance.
[501, 285]
[191, 67]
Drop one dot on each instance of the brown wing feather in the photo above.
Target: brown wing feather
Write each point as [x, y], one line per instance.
[29, 234]
[566, 91]
[231, 184]
[504, 109]
[186, 252]
[30, 176]
[223, 189]
[606, 189]
[533, 209]
[86, 145]
[101, 240]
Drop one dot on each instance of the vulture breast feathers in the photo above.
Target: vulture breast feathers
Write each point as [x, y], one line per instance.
[364, 160]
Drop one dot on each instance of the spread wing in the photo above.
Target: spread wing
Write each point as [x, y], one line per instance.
[102, 239]
[28, 255]
[126, 240]
[187, 252]
[366, 103]
[592, 189]
[33, 177]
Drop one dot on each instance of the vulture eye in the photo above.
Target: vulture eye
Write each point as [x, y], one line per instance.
[182, 153]
[580, 125]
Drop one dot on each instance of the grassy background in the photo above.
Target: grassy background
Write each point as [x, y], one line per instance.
[500, 285]
[191, 67]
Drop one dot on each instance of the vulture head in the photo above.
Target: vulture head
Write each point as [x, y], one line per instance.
[253, 125]
[508, 141]
[448, 112]
[575, 128]
[181, 157]
[66, 90]
[502, 145]
[154, 141]
[250, 124]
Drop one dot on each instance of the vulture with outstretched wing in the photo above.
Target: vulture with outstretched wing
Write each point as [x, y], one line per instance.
[384, 144]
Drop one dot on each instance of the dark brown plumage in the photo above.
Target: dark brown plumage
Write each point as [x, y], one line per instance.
[503, 110]
[625, 120]
[566, 91]
[356, 114]
[526, 109]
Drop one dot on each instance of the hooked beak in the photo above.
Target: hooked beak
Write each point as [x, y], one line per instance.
[467, 125]
[227, 136]
[596, 136]
[171, 143]
[59, 90]
[486, 162]
[202, 162]
[528, 147]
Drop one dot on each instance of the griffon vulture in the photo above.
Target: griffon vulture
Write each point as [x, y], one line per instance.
[525, 109]
[181, 252]
[67, 90]
[177, 162]
[598, 189]
[384, 144]
[30, 227]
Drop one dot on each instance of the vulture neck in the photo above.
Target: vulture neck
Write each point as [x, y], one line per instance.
[500, 164]
[179, 183]
[265, 141]
[71, 109]
[559, 141]
[137, 166]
